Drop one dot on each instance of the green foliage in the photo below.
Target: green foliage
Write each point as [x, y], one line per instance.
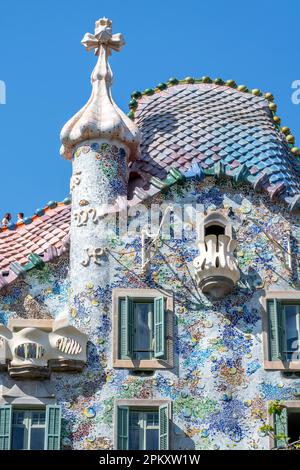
[276, 407]
[267, 429]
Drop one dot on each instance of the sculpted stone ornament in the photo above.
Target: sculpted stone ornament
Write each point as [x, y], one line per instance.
[100, 117]
[33, 348]
[75, 180]
[93, 254]
[216, 270]
[82, 216]
[103, 35]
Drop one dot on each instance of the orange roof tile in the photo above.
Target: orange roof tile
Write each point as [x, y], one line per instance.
[49, 230]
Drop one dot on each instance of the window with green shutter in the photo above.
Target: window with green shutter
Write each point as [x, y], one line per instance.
[126, 328]
[5, 427]
[30, 429]
[123, 427]
[281, 428]
[284, 330]
[275, 329]
[159, 327]
[145, 428]
[287, 427]
[142, 328]
[53, 427]
[291, 331]
[164, 427]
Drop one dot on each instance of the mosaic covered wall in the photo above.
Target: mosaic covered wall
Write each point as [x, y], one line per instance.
[218, 385]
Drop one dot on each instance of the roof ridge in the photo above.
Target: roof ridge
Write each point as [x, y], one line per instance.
[38, 213]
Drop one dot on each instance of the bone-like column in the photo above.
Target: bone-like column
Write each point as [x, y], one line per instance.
[100, 140]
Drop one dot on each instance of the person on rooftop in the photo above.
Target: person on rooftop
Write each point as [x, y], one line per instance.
[20, 217]
[6, 219]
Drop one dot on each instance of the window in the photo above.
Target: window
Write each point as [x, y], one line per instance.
[144, 428]
[291, 329]
[284, 330]
[287, 424]
[214, 230]
[143, 327]
[215, 224]
[30, 429]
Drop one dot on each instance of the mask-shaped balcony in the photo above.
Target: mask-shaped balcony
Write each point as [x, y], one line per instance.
[33, 348]
[216, 270]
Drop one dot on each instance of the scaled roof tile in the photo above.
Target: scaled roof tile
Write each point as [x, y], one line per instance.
[236, 126]
[36, 237]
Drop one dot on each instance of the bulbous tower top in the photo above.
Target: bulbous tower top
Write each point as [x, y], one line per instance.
[101, 117]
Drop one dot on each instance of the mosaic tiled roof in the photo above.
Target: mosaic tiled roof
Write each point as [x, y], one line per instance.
[31, 244]
[207, 124]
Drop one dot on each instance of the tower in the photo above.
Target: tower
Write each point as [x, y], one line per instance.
[100, 140]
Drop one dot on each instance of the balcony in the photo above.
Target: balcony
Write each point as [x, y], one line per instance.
[33, 348]
[216, 270]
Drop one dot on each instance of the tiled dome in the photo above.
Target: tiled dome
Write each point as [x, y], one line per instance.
[208, 123]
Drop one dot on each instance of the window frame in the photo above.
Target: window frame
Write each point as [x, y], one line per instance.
[293, 405]
[136, 301]
[142, 405]
[291, 297]
[52, 435]
[143, 295]
[143, 419]
[297, 305]
[151, 328]
[28, 412]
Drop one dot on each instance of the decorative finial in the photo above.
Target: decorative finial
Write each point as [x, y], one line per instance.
[100, 117]
[103, 35]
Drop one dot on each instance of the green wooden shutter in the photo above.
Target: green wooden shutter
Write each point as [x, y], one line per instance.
[53, 425]
[123, 427]
[5, 427]
[126, 323]
[275, 330]
[164, 427]
[159, 327]
[281, 428]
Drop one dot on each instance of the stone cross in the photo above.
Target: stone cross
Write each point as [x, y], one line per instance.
[103, 37]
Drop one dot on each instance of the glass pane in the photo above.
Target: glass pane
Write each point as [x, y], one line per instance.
[18, 417]
[38, 418]
[134, 438]
[152, 439]
[37, 438]
[293, 425]
[134, 419]
[292, 334]
[18, 438]
[143, 329]
[152, 419]
[134, 430]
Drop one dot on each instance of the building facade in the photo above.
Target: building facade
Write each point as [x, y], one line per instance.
[159, 306]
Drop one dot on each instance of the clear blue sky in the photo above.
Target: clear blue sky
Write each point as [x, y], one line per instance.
[47, 71]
